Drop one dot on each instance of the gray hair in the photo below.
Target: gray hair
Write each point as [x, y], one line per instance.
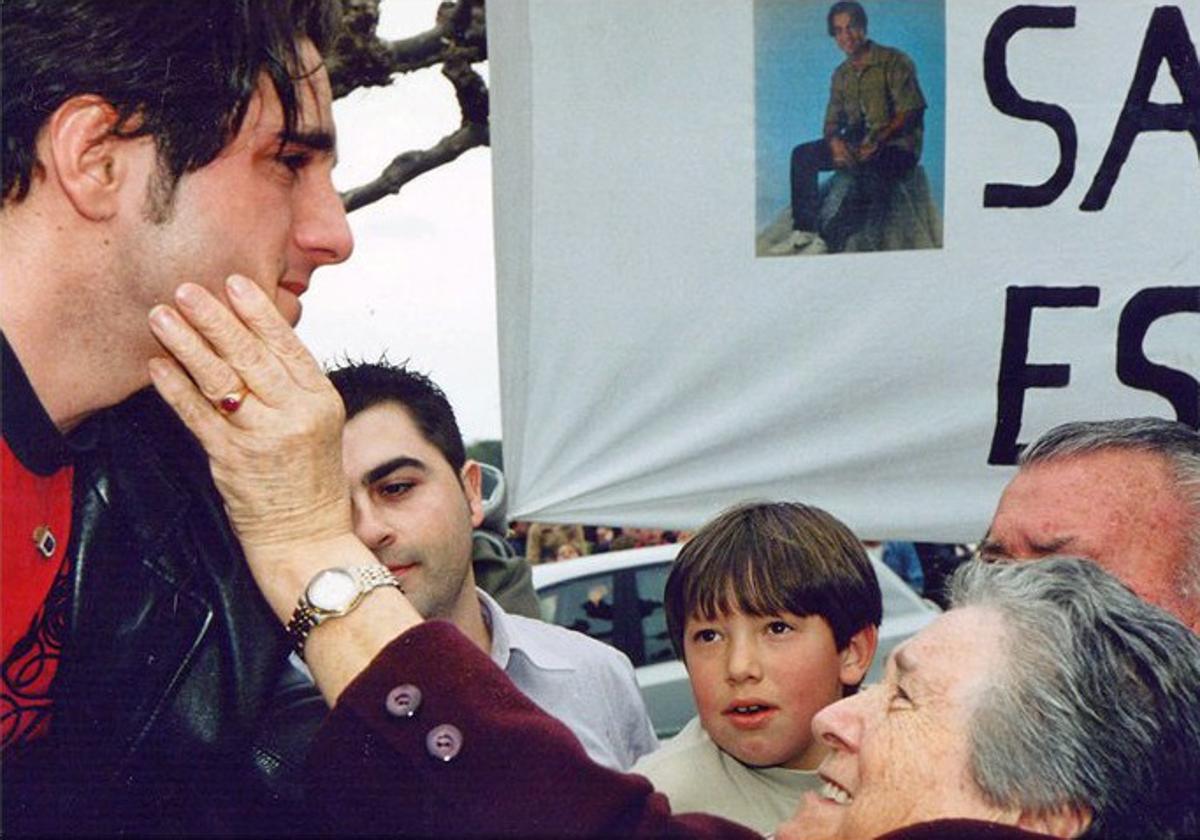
[1178, 443]
[1097, 705]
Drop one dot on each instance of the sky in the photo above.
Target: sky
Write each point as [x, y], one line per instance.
[421, 282]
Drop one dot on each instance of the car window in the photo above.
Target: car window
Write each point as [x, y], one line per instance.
[584, 604]
[656, 642]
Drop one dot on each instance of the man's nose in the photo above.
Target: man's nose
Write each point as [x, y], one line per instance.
[743, 662]
[322, 229]
[372, 529]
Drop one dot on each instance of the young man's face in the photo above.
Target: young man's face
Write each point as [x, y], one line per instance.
[849, 36]
[758, 681]
[411, 508]
[901, 749]
[266, 212]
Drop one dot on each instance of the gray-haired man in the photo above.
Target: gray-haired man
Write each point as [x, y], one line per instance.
[1123, 493]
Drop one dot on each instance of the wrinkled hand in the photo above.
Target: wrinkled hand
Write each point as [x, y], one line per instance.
[276, 459]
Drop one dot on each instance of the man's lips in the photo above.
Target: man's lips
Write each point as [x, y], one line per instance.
[401, 569]
[294, 287]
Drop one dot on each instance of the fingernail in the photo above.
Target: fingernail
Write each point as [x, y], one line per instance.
[237, 285]
[188, 294]
[163, 318]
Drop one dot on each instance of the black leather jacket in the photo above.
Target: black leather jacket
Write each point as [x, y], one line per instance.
[170, 657]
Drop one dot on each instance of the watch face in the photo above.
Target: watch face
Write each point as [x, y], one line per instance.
[332, 590]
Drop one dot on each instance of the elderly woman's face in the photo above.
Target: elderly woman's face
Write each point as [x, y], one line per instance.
[900, 748]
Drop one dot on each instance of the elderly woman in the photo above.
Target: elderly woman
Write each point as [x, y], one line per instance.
[1049, 701]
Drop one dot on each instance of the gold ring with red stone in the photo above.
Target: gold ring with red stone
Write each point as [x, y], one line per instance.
[232, 401]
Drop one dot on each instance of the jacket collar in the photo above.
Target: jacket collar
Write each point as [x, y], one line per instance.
[28, 430]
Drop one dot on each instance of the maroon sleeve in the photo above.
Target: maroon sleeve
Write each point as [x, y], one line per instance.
[961, 829]
[475, 757]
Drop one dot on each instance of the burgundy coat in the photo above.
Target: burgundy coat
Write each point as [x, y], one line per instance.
[434, 740]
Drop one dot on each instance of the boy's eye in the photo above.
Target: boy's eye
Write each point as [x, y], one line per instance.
[705, 636]
[778, 628]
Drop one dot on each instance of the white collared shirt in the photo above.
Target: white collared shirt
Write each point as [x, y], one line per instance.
[585, 683]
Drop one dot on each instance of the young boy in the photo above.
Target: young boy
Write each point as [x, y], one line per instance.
[775, 610]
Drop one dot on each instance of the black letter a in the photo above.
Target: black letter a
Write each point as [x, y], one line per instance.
[1166, 38]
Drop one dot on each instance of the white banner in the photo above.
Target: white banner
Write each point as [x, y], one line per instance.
[659, 363]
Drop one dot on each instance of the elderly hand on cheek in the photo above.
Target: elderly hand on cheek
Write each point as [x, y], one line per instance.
[266, 414]
[271, 424]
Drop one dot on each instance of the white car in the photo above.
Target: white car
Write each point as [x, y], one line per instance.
[617, 598]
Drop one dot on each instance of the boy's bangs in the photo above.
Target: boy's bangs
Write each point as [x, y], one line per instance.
[764, 559]
[747, 584]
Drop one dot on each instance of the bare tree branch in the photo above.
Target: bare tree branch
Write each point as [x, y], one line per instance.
[360, 58]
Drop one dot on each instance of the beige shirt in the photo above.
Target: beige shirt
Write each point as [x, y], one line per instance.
[862, 100]
[696, 775]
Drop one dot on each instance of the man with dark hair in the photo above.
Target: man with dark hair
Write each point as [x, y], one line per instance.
[874, 126]
[146, 144]
[415, 498]
[1123, 493]
[500, 571]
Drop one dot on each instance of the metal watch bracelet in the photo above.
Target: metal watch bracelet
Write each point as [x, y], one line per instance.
[306, 616]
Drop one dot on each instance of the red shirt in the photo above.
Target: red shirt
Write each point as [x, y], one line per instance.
[35, 522]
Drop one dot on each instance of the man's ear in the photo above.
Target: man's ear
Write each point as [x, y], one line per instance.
[88, 161]
[858, 654]
[471, 478]
[1067, 821]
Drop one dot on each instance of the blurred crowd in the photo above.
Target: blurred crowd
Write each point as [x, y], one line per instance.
[544, 542]
[924, 566]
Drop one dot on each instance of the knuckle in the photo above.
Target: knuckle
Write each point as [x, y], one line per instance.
[248, 353]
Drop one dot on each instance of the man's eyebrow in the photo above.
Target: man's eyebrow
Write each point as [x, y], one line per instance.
[390, 466]
[319, 140]
[990, 546]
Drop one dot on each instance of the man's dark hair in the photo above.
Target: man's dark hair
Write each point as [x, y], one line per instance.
[180, 72]
[364, 385]
[768, 558]
[858, 15]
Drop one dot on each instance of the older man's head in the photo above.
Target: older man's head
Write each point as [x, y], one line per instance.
[1124, 493]
[1049, 697]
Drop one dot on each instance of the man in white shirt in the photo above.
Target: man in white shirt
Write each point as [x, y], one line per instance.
[416, 498]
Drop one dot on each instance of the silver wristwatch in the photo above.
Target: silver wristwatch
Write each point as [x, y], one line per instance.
[332, 593]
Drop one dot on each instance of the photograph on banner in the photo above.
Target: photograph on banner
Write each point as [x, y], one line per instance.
[849, 125]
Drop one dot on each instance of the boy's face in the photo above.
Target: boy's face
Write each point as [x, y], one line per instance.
[758, 681]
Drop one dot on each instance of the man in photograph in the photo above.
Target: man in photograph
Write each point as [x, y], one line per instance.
[874, 126]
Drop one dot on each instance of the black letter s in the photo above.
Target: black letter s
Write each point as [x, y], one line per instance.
[1006, 99]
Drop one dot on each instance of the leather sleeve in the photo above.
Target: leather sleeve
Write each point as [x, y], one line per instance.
[517, 771]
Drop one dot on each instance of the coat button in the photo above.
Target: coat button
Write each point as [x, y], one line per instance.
[403, 701]
[443, 742]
